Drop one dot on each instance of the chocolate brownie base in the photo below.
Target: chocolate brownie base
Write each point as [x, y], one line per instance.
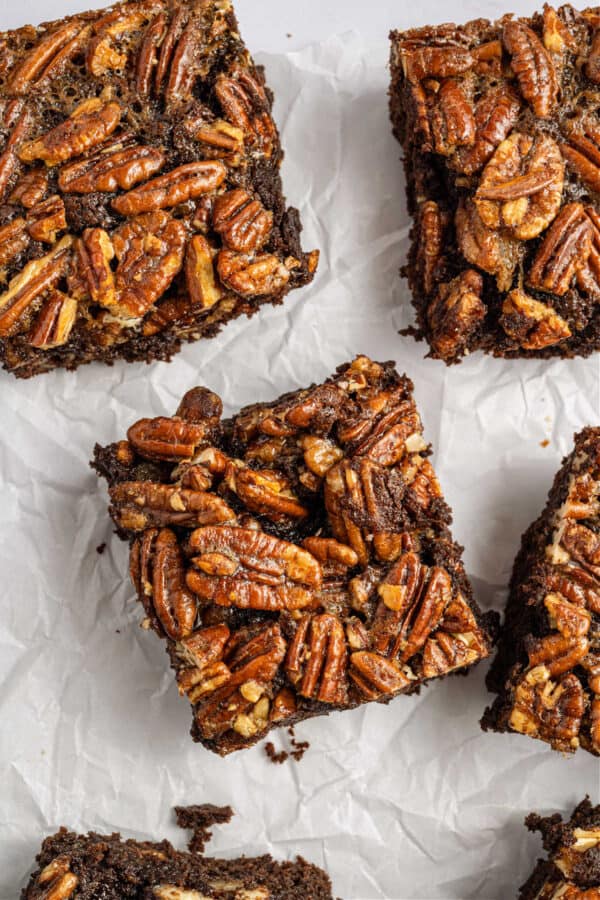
[140, 198]
[297, 558]
[572, 869]
[87, 867]
[547, 671]
[502, 158]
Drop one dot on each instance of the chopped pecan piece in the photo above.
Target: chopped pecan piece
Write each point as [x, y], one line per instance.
[138, 505]
[13, 240]
[320, 454]
[202, 652]
[254, 276]
[150, 250]
[563, 252]
[452, 119]
[37, 278]
[57, 880]
[448, 652]
[159, 577]
[455, 314]
[317, 659]
[531, 323]
[582, 544]
[398, 593]
[116, 167]
[488, 248]
[243, 222]
[251, 570]
[496, 115]
[533, 67]
[167, 439]
[264, 491]
[181, 184]
[88, 126]
[521, 186]
[31, 188]
[54, 322]
[375, 676]
[47, 219]
[200, 273]
[221, 137]
[549, 710]
[102, 54]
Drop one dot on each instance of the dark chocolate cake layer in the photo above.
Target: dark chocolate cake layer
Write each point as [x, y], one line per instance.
[106, 867]
[140, 197]
[547, 671]
[297, 558]
[572, 868]
[499, 127]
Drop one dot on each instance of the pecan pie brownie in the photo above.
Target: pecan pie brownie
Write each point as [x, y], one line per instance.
[140, 197]
[572, 869]
[501, 138]
[547, 672]
[93, 866]
[297, 558]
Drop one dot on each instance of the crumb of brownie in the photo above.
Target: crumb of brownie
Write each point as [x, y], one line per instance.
[199, 819]
[101, 548]
[502, 172]
[285, 547]
[276, 757]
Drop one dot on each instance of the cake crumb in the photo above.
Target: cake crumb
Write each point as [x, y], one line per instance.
[275, 757]
[101, 548]
[544, 443]
[298, 750]
[199, 820]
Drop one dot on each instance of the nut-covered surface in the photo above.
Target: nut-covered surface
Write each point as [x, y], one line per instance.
[93, 866]
[140, 197]
[297, 558]
[499, 126]
[547, 672]
[571, 869]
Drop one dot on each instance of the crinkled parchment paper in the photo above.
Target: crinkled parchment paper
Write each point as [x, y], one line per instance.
[404, 801]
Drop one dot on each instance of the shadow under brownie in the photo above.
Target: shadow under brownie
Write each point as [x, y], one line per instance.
[140, 197]
[93, 866]
[499, 127]
[572, 869]
[547, 671]
[297, 558]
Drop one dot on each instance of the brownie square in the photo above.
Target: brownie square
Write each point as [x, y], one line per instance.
[140, 198]
[547, 671]
[499, 128]
[571, 870]
[296, 558]
[94, 866]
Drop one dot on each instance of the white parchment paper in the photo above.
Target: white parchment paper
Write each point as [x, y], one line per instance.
[400, 802]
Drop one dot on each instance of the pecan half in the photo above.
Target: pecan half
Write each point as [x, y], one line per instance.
[138, 505]
[563, 252]
[202, 652]
[455, 314]
[435, 62]
[254, 276]
[57, 880]
[582, 152]
[592, 65]
[533, 67]
[317, 659]
[243, 222]
[95, 253]
[245, 105]
[148, 55]
[54, 322]
[447, 652]
[452, 118]
[113, 168]
[489, 249]
[178, 186]
[160, 582]
[264, 491]
[398, 592]
[47, 219]
[435, 596]
[166, 439]
[200, 274]
[431, 228]
[531, 323]
[150, 250]
[221, 138]
[375, 676]
[37, 278]
[521, 186]
[48, 56]
[30, 188]
[583, 544]
[549, 710]
[91, 123]
[251, 570]
[9, 160]
[496, 114]
[13, 240]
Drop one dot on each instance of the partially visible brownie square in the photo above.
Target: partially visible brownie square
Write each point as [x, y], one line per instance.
[572, 868]
[140, 197]
[547, 671]
[106, 867]
[296, 558]
[498, 123]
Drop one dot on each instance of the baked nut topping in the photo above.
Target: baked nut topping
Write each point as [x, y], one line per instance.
[143, 135]
[296, 558]
[498, 123]
[548, 667]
